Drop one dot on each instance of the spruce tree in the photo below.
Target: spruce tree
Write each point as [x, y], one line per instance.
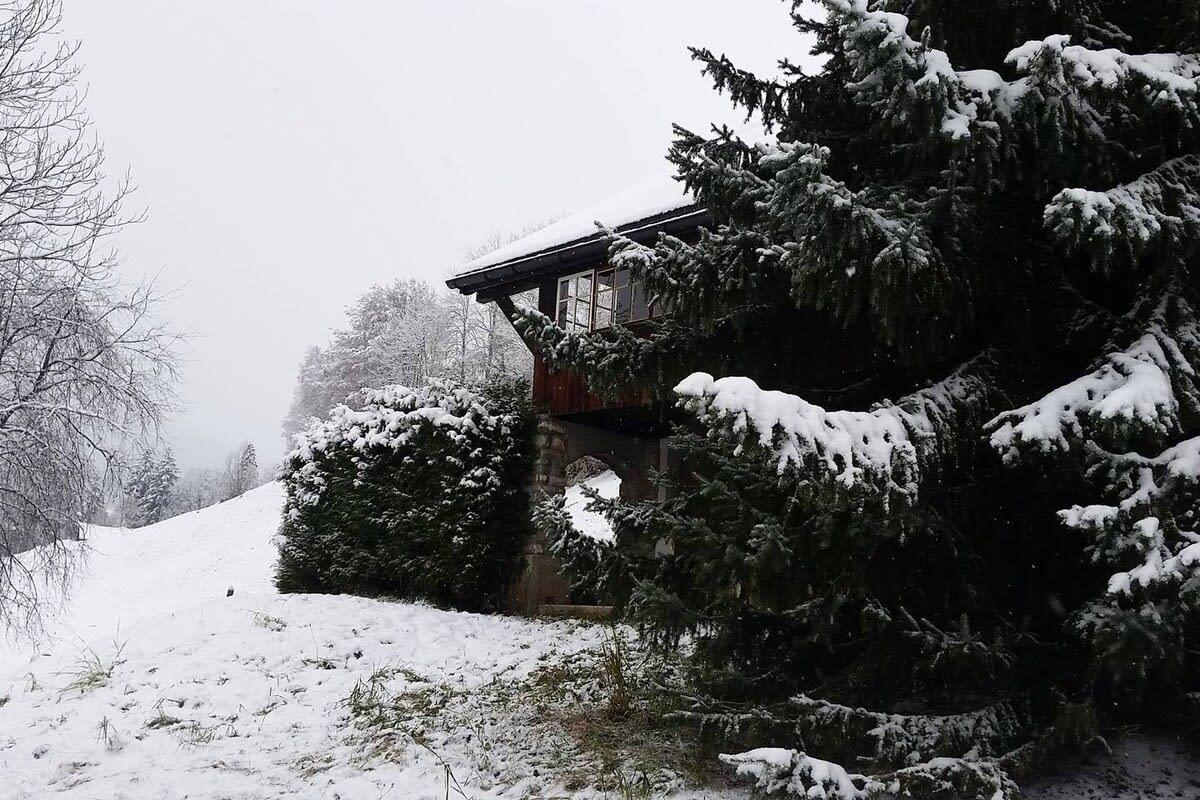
[151, 486]
[138, 486]
[975, 230]
[166, 475]
[248, 468]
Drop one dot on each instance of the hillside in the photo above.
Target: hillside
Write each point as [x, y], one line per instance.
[133, 575]
[155, 684]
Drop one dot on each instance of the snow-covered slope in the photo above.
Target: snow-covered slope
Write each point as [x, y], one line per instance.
[155, 684]
[131, 575]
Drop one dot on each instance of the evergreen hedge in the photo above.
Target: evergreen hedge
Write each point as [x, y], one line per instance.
[417, 494]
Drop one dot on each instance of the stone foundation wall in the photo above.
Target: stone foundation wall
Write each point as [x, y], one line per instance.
[559, 443]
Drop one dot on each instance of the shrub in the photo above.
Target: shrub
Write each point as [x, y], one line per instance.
[417, 494]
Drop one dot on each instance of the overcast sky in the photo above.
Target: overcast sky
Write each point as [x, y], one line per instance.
[291, 153]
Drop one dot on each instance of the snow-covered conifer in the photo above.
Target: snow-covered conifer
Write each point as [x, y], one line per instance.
[150, 486]
[248, 467]
[962, 267]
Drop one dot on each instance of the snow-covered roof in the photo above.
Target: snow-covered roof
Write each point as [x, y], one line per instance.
[648, 206]
[650, 198]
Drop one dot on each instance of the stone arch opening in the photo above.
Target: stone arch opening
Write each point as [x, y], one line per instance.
[581, 467]
[589, 468]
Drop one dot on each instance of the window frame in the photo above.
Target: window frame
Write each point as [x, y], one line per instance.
[570, 322]
[632, 290]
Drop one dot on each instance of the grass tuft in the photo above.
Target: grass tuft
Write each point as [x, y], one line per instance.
[91, 671]
[613, 663]
[264, 620]
[107, 734]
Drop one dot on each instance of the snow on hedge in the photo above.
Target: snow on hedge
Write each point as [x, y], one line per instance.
[417, 494]
[390, 417]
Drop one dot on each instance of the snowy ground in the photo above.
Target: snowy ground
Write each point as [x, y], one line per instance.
[156, 684]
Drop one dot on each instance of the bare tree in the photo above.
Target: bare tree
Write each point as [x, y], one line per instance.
[231, 476]
[83, 365]
[408, 332]
[462, 322]
[484, 342]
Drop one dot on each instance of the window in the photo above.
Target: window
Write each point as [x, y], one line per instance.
[575, 302]
[600, 299]
[612, 298]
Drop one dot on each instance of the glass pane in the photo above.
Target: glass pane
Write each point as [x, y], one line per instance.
[572, 322]
[585, 287]
[603, 318]
[583, 314]
[564, 287]
[604, 297]
[562, 311]
[621, 311]
[622, 277]
[604, 279]
[640, 311]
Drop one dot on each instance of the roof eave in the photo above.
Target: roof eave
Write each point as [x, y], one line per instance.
[524, 272]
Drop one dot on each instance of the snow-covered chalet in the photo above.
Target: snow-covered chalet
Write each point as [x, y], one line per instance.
[565, 264]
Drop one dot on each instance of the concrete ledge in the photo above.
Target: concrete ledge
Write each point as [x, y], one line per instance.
[575, 612]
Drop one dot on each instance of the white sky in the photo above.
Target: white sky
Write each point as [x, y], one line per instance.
[291, 153]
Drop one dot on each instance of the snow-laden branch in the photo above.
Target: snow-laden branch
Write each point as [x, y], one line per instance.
[615, 361]
[1159, 564]
[1132, 387]
[1148, 524]
[889, 450]
[779, 771]
[895, 738]
[1161, 209]
[1164, 79]
[828, 246]
[889, 62]
[776, 770]
[1135, 393]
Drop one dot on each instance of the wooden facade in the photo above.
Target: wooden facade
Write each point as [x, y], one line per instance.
[565, 392]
